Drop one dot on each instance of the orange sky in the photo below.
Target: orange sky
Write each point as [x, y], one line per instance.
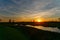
[30, 19]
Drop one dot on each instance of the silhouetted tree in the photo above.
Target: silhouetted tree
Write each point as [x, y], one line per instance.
[59, 19]
[0, 20]
[13, 21]
[9, 20]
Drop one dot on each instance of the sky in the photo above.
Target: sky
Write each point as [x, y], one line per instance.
[29, 9]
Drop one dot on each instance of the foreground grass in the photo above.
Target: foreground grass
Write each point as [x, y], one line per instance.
[8, 33]
[26, 33]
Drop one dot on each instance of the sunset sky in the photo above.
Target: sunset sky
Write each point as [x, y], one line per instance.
[29, 9]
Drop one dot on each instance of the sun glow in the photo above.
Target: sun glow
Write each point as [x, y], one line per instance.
[38, 20]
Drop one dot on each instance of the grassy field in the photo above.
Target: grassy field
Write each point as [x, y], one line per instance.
[8, 33]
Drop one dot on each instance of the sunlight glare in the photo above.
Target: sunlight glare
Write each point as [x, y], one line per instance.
[38, 20]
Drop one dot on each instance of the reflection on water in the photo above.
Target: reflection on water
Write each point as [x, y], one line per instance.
[46, 28]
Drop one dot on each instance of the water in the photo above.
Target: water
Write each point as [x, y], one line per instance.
[46, 28]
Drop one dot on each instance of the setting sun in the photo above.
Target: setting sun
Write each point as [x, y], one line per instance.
[38, 20]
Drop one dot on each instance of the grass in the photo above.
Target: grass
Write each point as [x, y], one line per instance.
[26, 33]
[8, 33]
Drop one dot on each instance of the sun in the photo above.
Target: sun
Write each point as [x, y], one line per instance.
[38, 20]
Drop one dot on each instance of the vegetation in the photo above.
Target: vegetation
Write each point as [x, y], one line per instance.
[10, 31]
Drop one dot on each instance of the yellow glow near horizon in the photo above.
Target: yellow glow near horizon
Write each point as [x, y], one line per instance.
[38, 20]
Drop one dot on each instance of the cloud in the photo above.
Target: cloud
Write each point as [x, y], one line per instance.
[32, 8]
